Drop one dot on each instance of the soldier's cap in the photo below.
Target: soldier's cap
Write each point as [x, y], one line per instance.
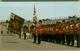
[72, 21]
[77, 19]
[63, 20]
[40, 21]
[68, 22]
[57, 22]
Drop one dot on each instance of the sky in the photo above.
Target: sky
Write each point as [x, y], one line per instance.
[44, 10]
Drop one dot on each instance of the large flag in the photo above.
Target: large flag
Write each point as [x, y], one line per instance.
[34, 17]
[16, 23]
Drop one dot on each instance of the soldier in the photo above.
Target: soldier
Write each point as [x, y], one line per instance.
[34, 32]
[24, 32]
[46, 33]
[77, 32]
[72, 33]
[53, 31]
[59, 33]
[63, 31]
[39, 27]
[43, 35]
[67, 33]
[50, 33]
[56, 31]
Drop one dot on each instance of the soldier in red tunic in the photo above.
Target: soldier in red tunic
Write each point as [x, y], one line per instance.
[24, 32]
[34, 32]
[56, 31]
[39, 27]
[59, 33]
[67, 33]
[77, 32]
[72, 33]
[63, 31]
[53, 35]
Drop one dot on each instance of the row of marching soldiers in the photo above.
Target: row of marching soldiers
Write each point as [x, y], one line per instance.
[60, 33]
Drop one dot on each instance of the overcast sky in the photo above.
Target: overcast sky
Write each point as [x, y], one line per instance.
[52, 10]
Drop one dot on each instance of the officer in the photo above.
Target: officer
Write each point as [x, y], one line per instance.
[77, 32]
[63, 31]
[39, 27]
[34, 32]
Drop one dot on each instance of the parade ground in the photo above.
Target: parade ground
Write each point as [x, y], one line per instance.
[14, 43]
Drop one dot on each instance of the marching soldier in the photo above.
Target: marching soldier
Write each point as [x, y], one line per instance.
[72, 33]
[50, 33]
[77, 32]
[43, 32]
[67, 33]
[46, 33]
[63, 31]
[56, 32]
[59, 33]
[53, 31]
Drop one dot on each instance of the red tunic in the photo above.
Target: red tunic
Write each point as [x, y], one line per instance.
[76, 28]
[67, 30]
[56, 29]
[59, 30]
[71, 29]
[39, 29]
[63, 28]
